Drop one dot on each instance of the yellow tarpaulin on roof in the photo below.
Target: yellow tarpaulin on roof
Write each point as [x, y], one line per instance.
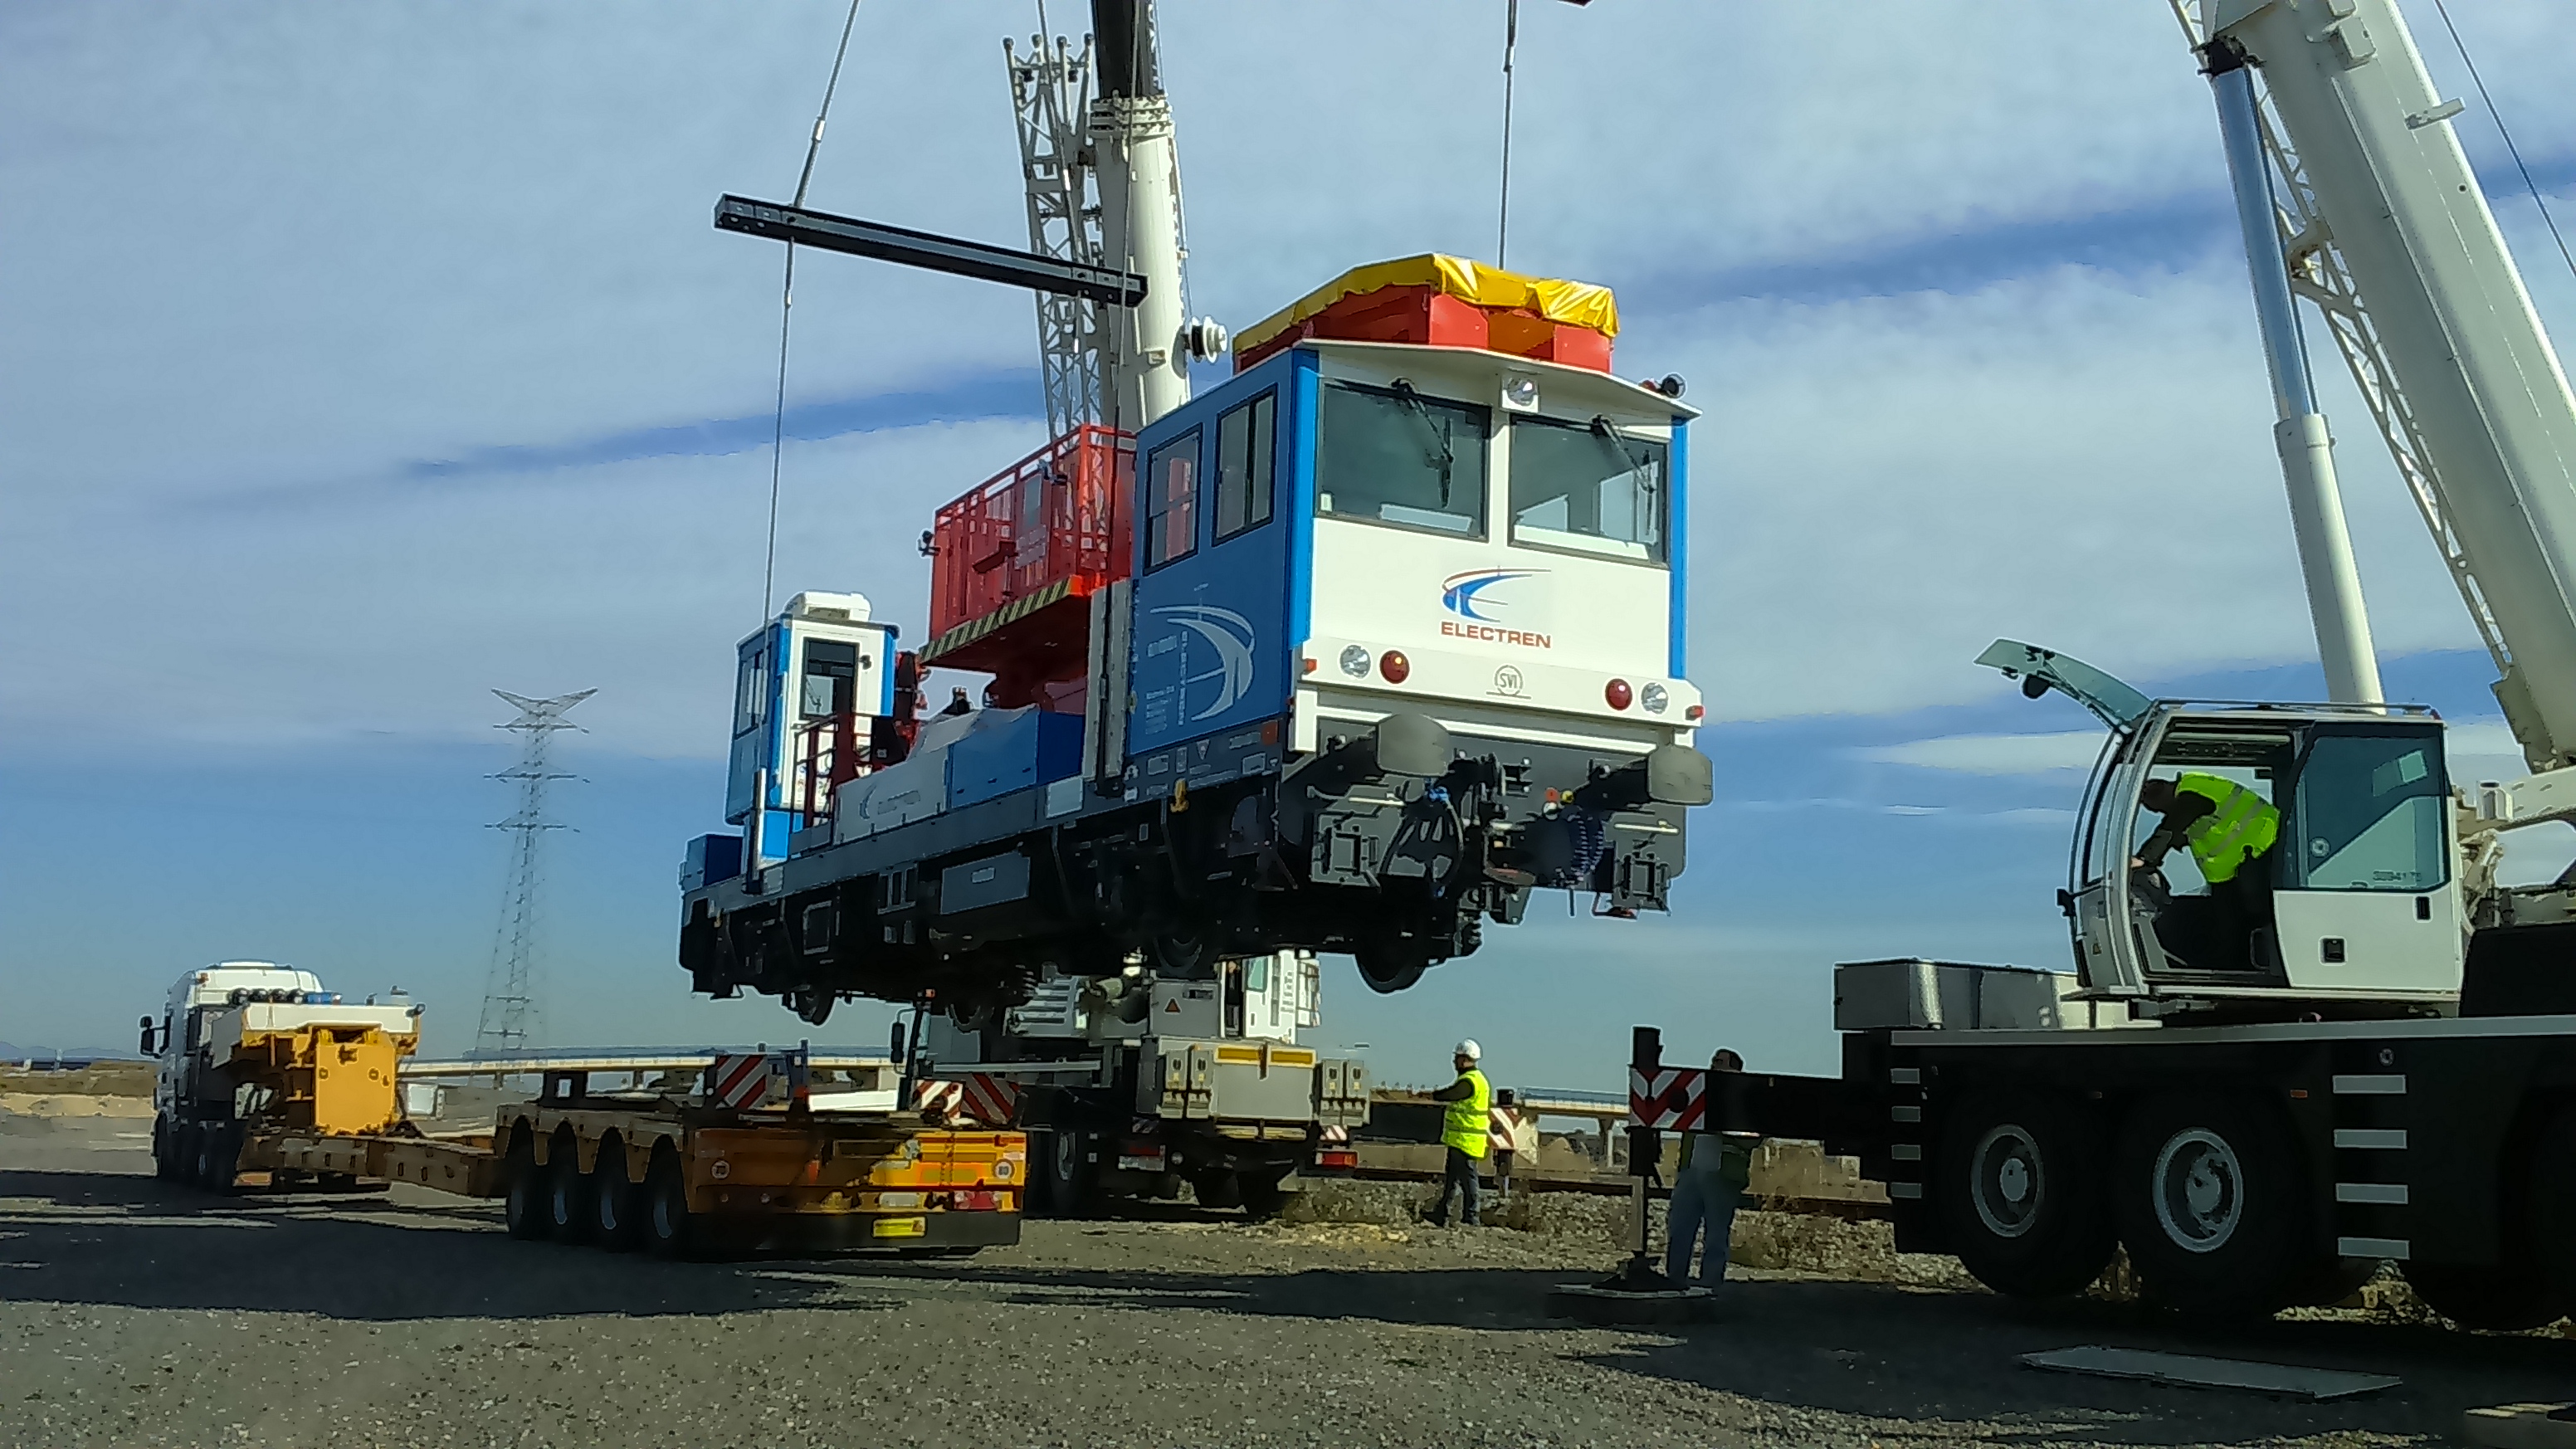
[1578, 304]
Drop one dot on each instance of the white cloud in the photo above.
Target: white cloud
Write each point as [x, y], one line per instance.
[1994, 754]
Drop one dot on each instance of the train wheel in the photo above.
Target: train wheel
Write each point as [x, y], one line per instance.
[2212, 1204]
[2021, 1194]
[2507, 1297]
[523, 1209]
[568, 1206]
[613, 1200]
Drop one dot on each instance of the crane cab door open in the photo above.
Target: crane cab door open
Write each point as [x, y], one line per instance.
[2348, 890]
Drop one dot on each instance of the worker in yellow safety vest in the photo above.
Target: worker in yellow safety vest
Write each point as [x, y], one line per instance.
[2224, 823]
[1463, 1131]
[2230, 830]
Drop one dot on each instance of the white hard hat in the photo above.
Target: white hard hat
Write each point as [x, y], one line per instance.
[1470, 1050]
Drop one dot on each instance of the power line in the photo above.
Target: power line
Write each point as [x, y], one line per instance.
[1503, 212]
[509, 996]
[786, 300]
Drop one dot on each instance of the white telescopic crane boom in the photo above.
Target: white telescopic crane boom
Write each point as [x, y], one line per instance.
[2305, 445]
[1140, 223]
[2393, 240]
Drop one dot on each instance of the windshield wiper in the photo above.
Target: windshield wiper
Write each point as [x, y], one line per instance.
[1641, 464]
[1446, 459]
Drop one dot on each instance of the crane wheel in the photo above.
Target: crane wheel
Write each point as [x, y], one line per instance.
[523, 1208]
[2213, 1204]
[2550, 1206]
[2020, 1190]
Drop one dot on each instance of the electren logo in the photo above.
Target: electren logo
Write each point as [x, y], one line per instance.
[1465, 594]
[1231, 636]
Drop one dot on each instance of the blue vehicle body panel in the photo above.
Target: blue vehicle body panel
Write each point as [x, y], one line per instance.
[1676, 547]
[1212, 643]
[1035, 749]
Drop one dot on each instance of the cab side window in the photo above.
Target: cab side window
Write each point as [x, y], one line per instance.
[1246, 448]
[1171, 485]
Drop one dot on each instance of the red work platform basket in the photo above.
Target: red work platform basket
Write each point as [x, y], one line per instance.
[1443, 301]
[1016, 559]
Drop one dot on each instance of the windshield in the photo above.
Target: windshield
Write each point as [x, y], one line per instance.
[1390, 455]
[2368, 815]
[1588, 486]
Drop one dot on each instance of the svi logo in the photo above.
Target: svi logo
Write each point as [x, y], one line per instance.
[1464, 594]
[1230, 635]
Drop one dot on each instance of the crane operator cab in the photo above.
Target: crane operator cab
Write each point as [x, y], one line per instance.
[2259, 850]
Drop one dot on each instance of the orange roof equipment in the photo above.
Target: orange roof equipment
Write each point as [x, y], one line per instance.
[1445, 301]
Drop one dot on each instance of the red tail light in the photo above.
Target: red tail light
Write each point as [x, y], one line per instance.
[1618, 693]
[1337, 1157]
[1394, 666]
[976, 1200]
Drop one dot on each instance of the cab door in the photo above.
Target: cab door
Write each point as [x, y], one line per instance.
[2367, 900]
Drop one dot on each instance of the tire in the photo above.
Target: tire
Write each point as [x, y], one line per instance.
[1219, 1189]
[2549, 1204]
[183, 1153]
[568, 1207]
[1263, 1194]
[217, 1156]
[164, 1151]
[1072, 1191]
[2492, 1296]
[2022, 1195]
[523, 1208]
[669, 1229]
[614, 1201]
[2213, 1204]
[1389, 964]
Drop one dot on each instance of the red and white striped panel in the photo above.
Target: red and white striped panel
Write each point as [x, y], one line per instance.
[1337, 1134]
[1673, 1099]
[1502, 1129]
[991, 1100]
[740, 1080]
[947, 1099]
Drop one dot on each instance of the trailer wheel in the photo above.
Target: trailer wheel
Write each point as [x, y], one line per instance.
[670, 1229]
[523, 1209]
[613, 1200]
[568, 1206]
[2212, 1204]
[2503, 1297]
[2022, 1195]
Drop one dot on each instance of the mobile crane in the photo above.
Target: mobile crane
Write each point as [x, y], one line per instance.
[2362, 1048]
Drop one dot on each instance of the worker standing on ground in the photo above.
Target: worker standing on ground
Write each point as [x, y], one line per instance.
[1716, 1168]
[1463, 1131]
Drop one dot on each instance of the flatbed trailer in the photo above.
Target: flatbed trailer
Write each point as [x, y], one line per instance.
[625, 1172]
[2245, 1167]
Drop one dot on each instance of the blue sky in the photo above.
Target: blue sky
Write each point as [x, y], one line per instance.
[430, 375]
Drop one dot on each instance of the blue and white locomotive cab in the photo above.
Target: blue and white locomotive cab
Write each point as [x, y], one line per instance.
[1400, 643]
[1442, 590]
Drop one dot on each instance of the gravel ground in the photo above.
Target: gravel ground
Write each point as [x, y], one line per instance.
[146, 1315]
